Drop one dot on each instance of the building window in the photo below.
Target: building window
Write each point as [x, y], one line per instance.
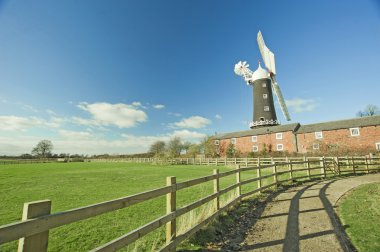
[254, 139]
[378, 146]
[216, 142]
[354, 131]
[255, 148]
[266, 108]
[315, 146]
[264, 84]
[233, 140]
[280, 147]
[278, 136]
[265, 96]
[318, 135]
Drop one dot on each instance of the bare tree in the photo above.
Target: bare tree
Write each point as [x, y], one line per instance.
[43, 148]
[369, 110]
[174, 147]
[157, 147]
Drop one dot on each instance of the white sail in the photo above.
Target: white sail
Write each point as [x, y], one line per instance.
[280, 98]
[266, 54]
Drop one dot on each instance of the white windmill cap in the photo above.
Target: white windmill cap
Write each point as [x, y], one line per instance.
[260, 73]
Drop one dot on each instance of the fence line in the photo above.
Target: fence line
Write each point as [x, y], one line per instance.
[33, 230]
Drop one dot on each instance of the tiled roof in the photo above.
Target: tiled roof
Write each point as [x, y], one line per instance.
[297, 128]
[259, 131]
[342, 124]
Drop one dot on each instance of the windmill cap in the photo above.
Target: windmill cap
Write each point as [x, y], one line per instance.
[260, 73]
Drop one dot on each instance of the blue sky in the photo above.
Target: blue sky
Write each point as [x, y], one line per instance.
[114, 76]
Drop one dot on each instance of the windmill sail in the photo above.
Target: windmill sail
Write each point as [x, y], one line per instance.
[281, 101]
[266, 54]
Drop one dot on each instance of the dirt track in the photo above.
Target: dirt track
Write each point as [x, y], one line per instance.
[301, 218]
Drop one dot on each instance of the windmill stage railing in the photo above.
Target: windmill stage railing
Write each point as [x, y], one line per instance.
[37, 220]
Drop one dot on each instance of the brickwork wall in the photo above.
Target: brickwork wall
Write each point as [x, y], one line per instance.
[336, 139]
[341, 138]
[245, 144]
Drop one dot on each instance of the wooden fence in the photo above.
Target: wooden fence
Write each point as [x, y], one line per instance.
[33, 230]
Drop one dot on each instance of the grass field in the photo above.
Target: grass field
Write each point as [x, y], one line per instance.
[72, 185]
[360, 211]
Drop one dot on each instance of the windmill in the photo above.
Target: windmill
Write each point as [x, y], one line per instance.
[263, 82]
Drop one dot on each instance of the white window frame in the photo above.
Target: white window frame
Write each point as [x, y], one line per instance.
[216, 142]
[377, 146]
[279, 147]
[279, 136]
[315, 146]
[255, 148]
[254, 139]
[264, 84]
[266, 108]
[318, 135]
[352, 130]
[233, 140]
[265, 96]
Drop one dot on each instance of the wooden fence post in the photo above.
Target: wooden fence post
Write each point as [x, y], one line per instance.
[216, 190]
[353, 165]
[37, 242]
[366, 164]
[308, 168]
[216, 162]
[336, 159]
[323, 168]
[291, 170]
[171, 226]
[225, 161]
[259, 180]
[274, 173]
[238, 189]
[246, 162]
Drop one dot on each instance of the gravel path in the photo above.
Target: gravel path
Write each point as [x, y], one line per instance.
[303, 218]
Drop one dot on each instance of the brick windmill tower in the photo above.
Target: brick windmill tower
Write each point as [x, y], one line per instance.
[263, 82]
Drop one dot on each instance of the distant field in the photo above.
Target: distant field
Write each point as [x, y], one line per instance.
[360, 211]
[72, 185]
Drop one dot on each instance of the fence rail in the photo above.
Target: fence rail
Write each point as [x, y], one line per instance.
[33, 230]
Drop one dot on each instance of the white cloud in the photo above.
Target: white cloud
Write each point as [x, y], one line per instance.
[174, 114]
[193, 122]
[188, 135]
[301, 105]
[217, 116]
[51, 112]
[136, 104]
[74, 134]
[159, 106]
[105, 114]
[28, 108]
[16, 123]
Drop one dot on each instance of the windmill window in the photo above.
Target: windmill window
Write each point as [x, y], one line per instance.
[378, 146]
[233, 140]
[264, 85]
[255, 148]
[262, 119]
[254, 139]
[266, 108]
[265, 96]
[278, 136]
[318, 135]
[316, 146]
[216, 142]
[280, 147]
[354, 132]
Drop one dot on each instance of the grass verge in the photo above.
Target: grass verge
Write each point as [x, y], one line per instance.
[360, 214]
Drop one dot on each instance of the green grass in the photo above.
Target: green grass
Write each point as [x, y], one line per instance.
[72, 185]
[360, 211]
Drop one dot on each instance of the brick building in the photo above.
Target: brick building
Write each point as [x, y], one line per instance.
[355, 134]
